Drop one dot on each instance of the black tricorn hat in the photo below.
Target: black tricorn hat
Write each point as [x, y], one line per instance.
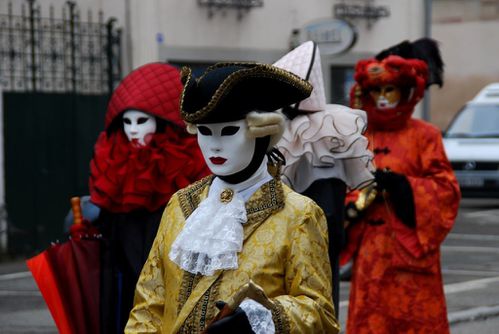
[228, 91]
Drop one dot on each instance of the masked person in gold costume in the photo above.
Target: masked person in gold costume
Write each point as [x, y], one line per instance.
[241, 224]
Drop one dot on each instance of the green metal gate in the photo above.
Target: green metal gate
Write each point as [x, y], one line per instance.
[56, 76]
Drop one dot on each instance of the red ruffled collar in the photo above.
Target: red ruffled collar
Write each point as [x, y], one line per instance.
[390, 119]
[126, 176]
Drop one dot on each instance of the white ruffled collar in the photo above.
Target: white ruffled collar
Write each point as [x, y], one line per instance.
[213, 234]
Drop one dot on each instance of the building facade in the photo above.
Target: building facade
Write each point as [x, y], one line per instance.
[197, 34]
[190, 32]
[193, 32]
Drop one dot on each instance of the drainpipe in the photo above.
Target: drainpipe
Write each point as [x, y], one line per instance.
[427, 33]
[128, 38]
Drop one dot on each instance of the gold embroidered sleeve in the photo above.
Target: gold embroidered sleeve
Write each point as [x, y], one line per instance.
[308, 307]
[146, 315]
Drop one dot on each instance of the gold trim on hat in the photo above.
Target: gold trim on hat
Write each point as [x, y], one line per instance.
[256, 70]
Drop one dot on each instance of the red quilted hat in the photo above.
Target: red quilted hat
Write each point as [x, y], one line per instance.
[153, 88]
[125, 176]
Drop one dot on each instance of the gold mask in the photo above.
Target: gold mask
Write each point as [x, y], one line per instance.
[386, 97]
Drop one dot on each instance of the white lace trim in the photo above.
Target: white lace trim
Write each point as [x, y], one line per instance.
[212, 236]
[260, 318]
[327, 144]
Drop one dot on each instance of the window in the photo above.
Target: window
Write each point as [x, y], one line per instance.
[341, 83]
[475, 121]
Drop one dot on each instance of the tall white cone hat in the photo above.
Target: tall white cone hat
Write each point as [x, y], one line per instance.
[305, 62]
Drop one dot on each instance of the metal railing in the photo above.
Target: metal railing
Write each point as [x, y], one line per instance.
[49, 54]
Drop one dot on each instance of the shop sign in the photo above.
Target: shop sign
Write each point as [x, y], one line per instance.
[332, 35]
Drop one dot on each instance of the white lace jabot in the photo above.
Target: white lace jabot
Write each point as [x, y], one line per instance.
[213, 233]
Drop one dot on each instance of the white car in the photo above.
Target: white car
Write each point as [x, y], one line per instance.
[472, 144]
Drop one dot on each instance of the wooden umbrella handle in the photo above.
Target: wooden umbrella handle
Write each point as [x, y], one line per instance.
[75, 206]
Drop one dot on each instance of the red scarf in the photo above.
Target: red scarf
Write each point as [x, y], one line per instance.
[126, 176]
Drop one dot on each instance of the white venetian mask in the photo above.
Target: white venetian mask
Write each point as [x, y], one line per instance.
[226, 147]
[137, 125]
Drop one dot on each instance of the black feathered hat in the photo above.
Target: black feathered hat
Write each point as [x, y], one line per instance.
[425, 49]
[229, 91]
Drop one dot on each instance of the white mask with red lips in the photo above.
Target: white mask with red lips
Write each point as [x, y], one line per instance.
[226, 147]
[213, 234]
[137, 125]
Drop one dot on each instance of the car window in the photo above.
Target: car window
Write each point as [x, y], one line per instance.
[475, 121]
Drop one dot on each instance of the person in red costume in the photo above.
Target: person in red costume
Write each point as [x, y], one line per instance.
[141, 159]
[395, 242]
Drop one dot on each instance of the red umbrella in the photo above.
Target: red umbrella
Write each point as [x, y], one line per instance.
[68, 276]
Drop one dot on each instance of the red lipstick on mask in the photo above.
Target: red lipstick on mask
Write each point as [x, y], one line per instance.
[218, 160]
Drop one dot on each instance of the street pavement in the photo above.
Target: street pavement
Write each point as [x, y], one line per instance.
[470, 265]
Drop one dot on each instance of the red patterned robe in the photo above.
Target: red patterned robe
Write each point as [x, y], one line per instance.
[397, 283]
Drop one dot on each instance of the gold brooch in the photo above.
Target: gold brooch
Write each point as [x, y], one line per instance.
[226, 195]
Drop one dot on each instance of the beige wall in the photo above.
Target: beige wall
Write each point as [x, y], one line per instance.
[261, 34]
[186, 25]
[470, 50]
[405, 22]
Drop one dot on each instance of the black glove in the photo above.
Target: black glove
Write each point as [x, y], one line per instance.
[401, 196]
[237, 322]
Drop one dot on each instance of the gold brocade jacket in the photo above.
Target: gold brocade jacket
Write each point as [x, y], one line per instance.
[285, 251]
